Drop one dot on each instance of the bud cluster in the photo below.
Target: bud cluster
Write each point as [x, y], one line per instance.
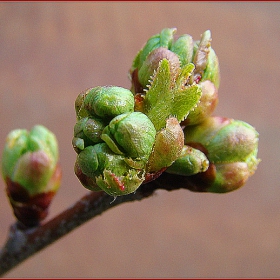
[124, 138]
[127, 137]
[118, 148]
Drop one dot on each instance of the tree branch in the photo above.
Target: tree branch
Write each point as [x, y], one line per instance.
[22, 243]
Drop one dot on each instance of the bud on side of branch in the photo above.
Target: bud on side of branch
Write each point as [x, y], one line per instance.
[99, 168]
[31, 171]
[231, 147]
[190, 162]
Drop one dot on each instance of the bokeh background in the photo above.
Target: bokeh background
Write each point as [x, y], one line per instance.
[51, 51]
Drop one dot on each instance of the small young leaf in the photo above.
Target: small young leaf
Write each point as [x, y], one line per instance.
[185, 101]
[168, 96]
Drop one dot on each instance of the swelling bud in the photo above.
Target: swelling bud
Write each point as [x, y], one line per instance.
[31, 172]
[231, 147]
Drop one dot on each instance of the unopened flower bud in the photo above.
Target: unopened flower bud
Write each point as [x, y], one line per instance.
[108, 101]
[184, 51]
[130, 134]
[88, 182]
[231, 147]
[98, 168]
[31, 171]
[163, 39]
[212, 70]
[87, 131]
[190, 162]
[183, 47]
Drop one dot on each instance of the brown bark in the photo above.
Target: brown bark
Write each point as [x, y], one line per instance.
[25, 242]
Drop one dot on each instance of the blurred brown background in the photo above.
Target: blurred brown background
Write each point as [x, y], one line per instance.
[51, 51]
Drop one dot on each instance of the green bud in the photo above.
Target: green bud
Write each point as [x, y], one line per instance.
[86, 181]
[131, 134]
[98, 168]
[230, 176]
[78, 144]
[212, 70]
[106, 114]
[88, 161]
[231, 147]
[80, 140]
[87, 131]
[34, 154]
[108, 101]
[31, 171]
[183, 47]
[163, 39]
[226, 140]
[190, 162]
[93, 129]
